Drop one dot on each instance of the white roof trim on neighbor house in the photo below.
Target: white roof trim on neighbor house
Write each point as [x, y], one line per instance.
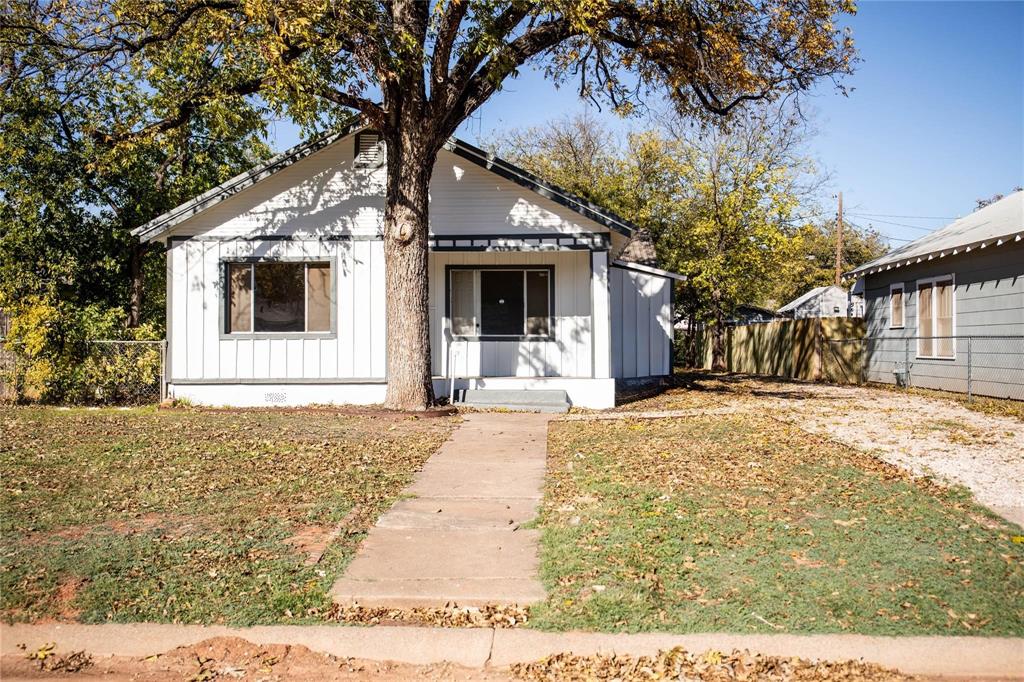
[999, 223]
[157, 227]
[649, 270]
[803, 298]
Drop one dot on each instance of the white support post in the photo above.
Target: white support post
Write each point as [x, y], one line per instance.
[601, 327]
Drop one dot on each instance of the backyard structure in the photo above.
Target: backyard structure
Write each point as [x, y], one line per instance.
[830, 301]
[947, 310]
[275, 283]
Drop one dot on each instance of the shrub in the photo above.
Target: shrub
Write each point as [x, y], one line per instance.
[57, 361]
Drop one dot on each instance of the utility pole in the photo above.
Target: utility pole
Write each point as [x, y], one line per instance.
[839, 243]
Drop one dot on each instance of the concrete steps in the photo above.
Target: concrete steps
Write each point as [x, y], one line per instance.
[520, 400]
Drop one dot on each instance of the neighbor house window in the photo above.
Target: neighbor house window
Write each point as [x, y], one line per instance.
[501, 302]
[896, 306]
[935, 317]
[278, 297]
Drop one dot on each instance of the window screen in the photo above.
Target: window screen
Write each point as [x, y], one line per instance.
[511, 302]
[944, 319]
[537, 303]
[935, 311]
[896, 307]
[239, 298]
[925, 344]
[463, 303]
[318, 297]
[278, 297]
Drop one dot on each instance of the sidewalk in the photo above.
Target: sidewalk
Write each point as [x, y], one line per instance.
[458, 537]
[957, 657]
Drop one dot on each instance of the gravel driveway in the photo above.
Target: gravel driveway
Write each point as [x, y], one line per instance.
[928, 436]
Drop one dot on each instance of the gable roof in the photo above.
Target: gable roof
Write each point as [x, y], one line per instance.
[994, 225]
[157, 227]
[803, 298]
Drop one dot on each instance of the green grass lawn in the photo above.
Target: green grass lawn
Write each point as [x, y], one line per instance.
[742, 523]
[190, 515]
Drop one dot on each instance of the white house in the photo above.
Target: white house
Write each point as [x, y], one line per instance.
[275, 283]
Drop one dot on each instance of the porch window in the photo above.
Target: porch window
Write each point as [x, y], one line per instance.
[935, 327]
[896, 306]
[501, 302]
[278, 297]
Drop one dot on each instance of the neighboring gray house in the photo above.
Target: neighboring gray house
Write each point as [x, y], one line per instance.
[831, 301]
[925, 299]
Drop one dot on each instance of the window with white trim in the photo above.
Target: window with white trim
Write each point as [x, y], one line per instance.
[501, 302]
[278, 297]
[935, 324]
[896, 303]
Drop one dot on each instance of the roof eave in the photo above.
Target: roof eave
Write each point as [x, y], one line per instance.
[650, 270]
[875, 267]
[156, 227]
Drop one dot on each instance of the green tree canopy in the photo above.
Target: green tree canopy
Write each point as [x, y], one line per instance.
[69, 268]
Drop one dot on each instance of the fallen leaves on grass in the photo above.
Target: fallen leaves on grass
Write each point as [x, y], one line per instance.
[692, 524]
[185, 515]
[450, 616]
[711, 666]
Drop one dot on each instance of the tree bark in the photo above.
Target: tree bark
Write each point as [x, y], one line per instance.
[137, 286]
[410, 163]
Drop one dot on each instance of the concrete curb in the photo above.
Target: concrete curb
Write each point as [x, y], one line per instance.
[977, 657]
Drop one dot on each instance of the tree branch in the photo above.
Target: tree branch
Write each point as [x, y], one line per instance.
[484, 82]
[444, 42]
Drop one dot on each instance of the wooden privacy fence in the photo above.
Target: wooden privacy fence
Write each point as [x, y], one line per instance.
[795, 349]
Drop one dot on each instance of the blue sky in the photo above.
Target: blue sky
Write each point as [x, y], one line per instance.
[934, 121]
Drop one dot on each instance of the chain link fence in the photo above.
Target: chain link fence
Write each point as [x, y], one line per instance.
[94, 372]
[976, 365]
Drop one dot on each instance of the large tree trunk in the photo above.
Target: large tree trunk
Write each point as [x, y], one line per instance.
[410, 162]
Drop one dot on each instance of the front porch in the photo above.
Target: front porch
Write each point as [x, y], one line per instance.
[522, 314]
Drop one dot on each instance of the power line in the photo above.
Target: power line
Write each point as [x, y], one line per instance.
[889, 222]
[882, 234]
[912, 217]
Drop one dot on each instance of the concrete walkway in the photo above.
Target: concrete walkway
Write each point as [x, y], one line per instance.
[457, 538]
[957, 657]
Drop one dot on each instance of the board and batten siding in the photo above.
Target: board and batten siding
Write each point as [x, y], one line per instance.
[201, 352]
[641, 327]
[988, 301]
[326, 194]
[567, 354]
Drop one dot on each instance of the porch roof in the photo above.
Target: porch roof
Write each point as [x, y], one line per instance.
[594, 241]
